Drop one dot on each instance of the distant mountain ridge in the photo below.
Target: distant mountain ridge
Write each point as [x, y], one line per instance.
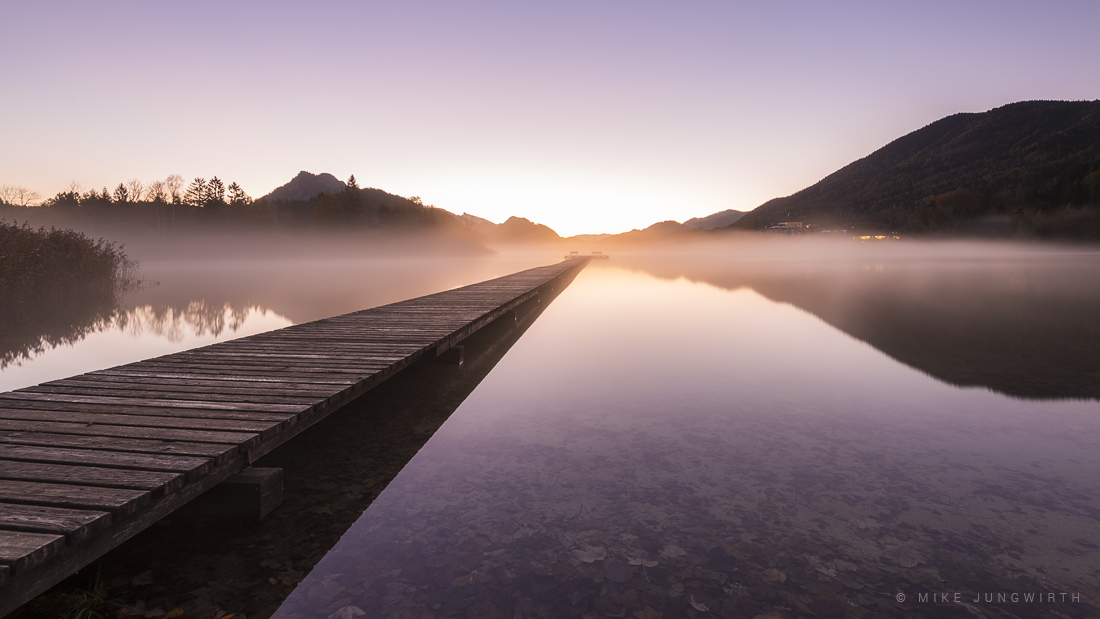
[306, 186]
[1022, 162]
[721, 219]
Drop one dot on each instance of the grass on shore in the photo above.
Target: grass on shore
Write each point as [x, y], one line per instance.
[50, 262]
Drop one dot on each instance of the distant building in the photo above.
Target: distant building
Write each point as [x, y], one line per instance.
[787, 227]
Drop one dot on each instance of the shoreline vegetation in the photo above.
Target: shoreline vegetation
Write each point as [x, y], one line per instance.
[318, 202]
[312, 214]
[59, 261]
[56, 287]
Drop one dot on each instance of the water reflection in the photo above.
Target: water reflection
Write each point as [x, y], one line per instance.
[197, 318]
[211, 567]
[190, 303]
[667, 448]
[29, 327]
[1022, 322]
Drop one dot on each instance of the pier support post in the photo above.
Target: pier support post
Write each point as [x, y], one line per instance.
[249, 495]
[451, 356]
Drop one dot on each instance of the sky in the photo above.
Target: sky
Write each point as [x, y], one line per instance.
[590, 116]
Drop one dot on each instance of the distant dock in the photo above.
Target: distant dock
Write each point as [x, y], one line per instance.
[89, 461]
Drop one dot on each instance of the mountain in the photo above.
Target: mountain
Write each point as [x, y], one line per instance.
[720, 219]
[1030, 165]
[662, 230]
[307, 186]
[477, 224]
[516, 230]
[520, 230]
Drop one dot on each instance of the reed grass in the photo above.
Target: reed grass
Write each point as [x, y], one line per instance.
[37, 261]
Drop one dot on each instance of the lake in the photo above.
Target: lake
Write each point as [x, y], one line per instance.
[896, 433]
[184, 304]
[846, 430]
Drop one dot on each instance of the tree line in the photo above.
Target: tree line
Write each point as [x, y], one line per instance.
[200, 193]
[172, 205]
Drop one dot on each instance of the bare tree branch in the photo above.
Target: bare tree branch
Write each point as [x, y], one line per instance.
[135, 189]
[19, 196]
[172, 185]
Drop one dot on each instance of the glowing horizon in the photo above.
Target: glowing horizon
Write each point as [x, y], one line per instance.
[586, 118]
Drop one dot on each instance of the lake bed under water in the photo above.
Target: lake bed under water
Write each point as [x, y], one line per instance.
[657, 446]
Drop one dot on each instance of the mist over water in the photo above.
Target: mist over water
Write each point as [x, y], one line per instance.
[749, 426]
[744, 433]
[209, 290]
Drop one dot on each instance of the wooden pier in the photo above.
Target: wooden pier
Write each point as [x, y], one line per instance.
[89, 461]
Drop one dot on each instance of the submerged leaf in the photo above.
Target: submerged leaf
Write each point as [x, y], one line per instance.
[906, 557]
[699, 606]
[347, 612]
[671, 552]
[638, 557]
[591, 554]
[774, 575]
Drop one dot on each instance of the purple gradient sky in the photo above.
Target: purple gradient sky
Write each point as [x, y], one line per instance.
[587, 116]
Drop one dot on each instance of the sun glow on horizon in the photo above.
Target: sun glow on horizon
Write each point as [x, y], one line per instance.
[588, 118]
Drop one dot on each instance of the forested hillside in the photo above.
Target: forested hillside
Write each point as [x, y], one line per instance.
[1030, 167]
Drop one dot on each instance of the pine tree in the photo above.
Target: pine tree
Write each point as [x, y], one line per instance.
[215, 193]
[196, 193]
[237, 196]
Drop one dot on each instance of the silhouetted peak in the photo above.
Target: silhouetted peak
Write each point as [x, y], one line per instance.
[1033, 164]
[520, 228]
[665, 226]
[306, 186]
[714, 220]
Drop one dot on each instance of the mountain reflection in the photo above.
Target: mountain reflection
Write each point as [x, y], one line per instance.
[1022, 324]
[1016, 320]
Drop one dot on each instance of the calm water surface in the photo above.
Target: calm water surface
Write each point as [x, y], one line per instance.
[186, 304]
[713, 437]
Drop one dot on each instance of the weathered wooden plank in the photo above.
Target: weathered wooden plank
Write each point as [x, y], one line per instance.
[155, 434]
[344, 344]
[193, 385]
[313, 351]
[94, 400]
[281, 366]
[5, 572]
[252, 372]
[75, 524]
[318, 381]
[210, 394]
[147, 421]
[277, 358]
[157, 482]
[214, 451]
[282, 370]
[118, 501]
[124, 460]
[264, 352]
[22, 551]
[122, 409]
